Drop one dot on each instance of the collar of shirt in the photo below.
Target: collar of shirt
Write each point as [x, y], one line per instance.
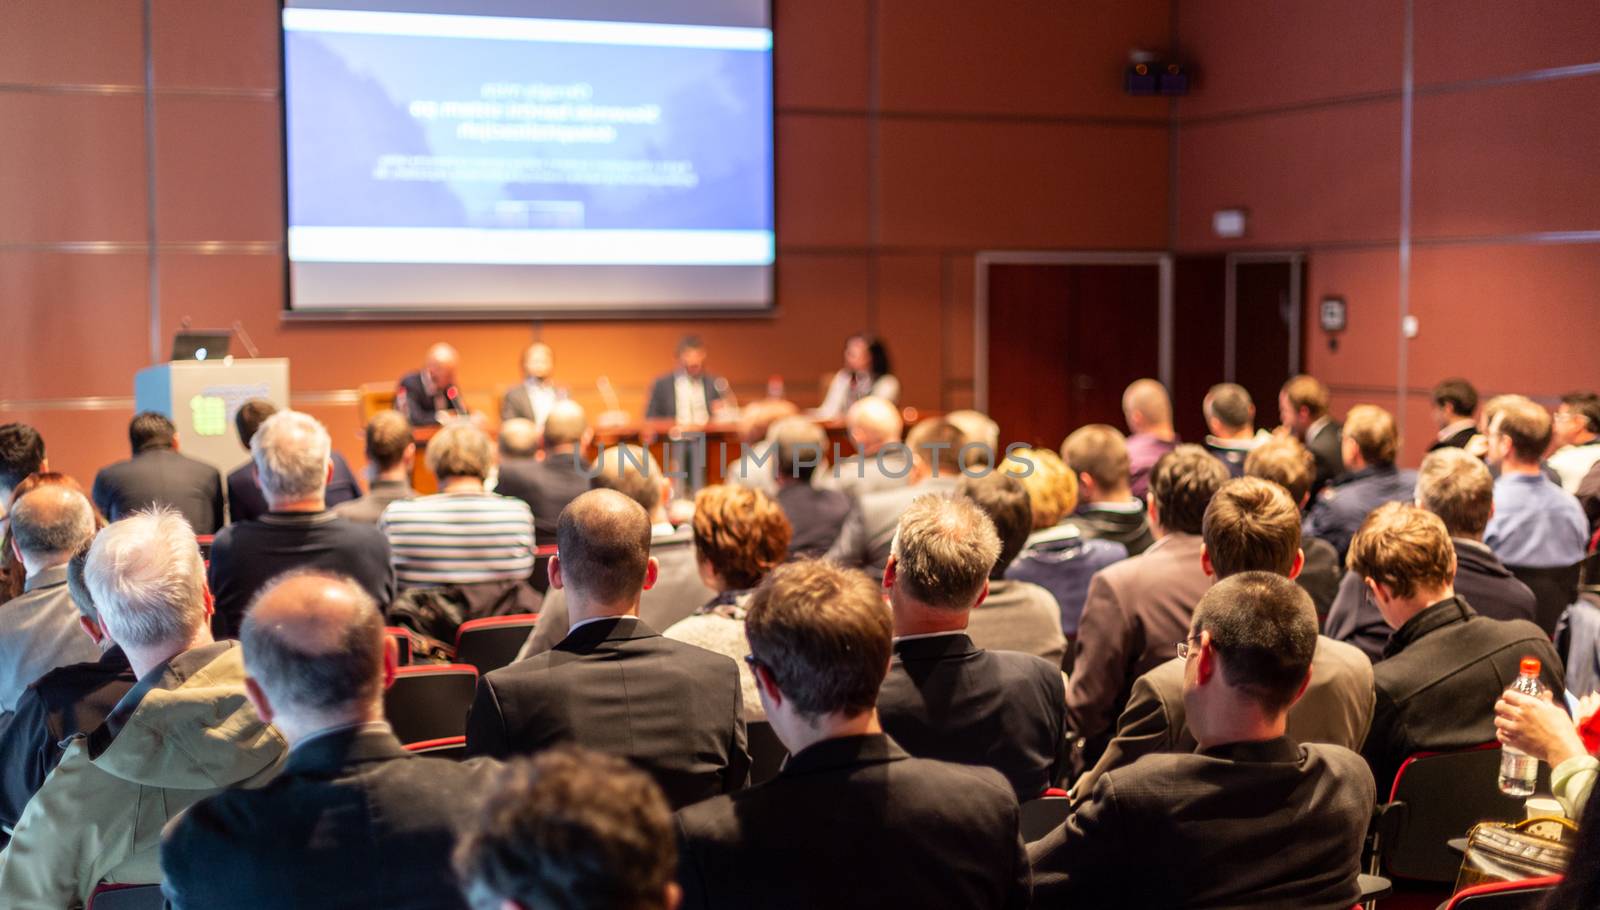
[1129, 507]
[371, 726]
[662, 529]
[47, 577]
[593, 619]
[1317, 425]
[919, 635]
[1454, 428]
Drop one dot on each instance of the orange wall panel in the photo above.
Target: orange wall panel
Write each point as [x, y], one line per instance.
[79, 443]
[1038, 57]
[1511, 159]
[187, 35]
[994, 184]
[48, 42]
[822, 180]
[208, 152]
[73, 167]
[75, 324]
[820, 54]
[1253, 54]
[910, 303]
[1458, 40]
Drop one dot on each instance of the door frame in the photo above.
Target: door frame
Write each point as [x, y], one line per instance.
[980, 333]
[1230, 306]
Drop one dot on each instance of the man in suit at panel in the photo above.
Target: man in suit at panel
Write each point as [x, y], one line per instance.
[1251, 525]
[852, 820]
[1455, 402]
[945, 697]
[533, 398]
[1303, 411]
[687, 395]
[881, 462]
[245, 499]
[1251, 818]
[546, 483]
[1445, 661]
[679, 590]
[936, 463]
[353, 817]
[1137, 607]
[1455, 486]
[158, 474]
[428, 395]
[614, 683]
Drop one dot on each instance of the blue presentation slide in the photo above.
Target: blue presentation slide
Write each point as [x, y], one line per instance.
[424, 138]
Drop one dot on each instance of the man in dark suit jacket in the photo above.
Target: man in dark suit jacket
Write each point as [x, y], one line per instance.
[1249, 819]
[851, 820]
[687, 394]
[1444, 661]
[353, 818]
[816, 514]
[549, 482]
[245, 500]
[1303, 410]
[945, 697]
[533, 398]
[298, 531]
[935, 469]
[422, 395]
[614, 684]
[158, 474]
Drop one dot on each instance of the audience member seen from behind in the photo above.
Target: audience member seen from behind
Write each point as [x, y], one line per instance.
[574, 829]
[1539, 728]
[1290, 465]
[1107, 510]
[1455, 402]
[1370, 446]
[852, 820]
[1576, 438]
[21, 454]
[1536, 524]
[936, 467]
[1231, 426]
[815, 513]
[1457, 487]
[678, 591]
[865, 372]
[185, 732]
[1251, 525]
[1251, 818]
[245, 499]
[1136, 606]
[39, 628]
[739, 536]
[614, 683]
[881, 462]
[391, 456]
[463, 534]
[557, 476]
[158, 474]
[1057, 556]
[1303, 410]
[65, 702]
[353, 814]
[1014, 615]
[1147, 410]
[1445, 663]
[13, 574]
[291, 452]
[946, 695]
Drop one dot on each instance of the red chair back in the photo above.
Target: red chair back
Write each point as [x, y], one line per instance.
[1522, 895]
[402, 640]
[451, 747]
[430, 701]
[493, 642]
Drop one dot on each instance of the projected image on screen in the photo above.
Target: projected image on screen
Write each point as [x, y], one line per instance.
[528, 156]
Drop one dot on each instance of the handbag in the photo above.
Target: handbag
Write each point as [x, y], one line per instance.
[1502, 852]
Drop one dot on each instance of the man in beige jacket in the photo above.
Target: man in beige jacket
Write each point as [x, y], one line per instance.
[185, 731]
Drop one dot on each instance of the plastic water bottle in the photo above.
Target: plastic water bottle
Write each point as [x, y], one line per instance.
[1519, 772]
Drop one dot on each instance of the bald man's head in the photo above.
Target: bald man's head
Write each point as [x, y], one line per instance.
[873, 422]
[441, 364]
[313, 643]
[603, 542]
[1146, 406]
[519, 438]
[50, 522]
[564, 425]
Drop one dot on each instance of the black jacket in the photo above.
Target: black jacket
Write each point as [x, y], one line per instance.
[166, 477]
[246, 556]
[816, 517]
[1481, 580]
[663, 401]
[1456, 440]
[420, 408]
[64, 702]
[615, 685]
[855, 822]
[1327, 452]
[1131, 529]
[1259, 824]
[1321, 573]
[546, 486]
[352, 821]
[948, 699]
[1439, 678]
[246, 502]
[1338, 511]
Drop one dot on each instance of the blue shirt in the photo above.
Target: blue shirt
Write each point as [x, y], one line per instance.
[1536, 524]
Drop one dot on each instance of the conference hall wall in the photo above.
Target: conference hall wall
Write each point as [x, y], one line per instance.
[1299, 115]
[911, 134]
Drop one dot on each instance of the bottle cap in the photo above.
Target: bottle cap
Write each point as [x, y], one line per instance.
[1530, 666]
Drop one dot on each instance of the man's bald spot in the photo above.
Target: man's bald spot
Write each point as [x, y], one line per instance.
[52, 519]
[606, 514]
[565, 423]
[313, 613]
[443, 354]
[874, 418]
[518, 437]
[1148, 398]
[603, 545]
